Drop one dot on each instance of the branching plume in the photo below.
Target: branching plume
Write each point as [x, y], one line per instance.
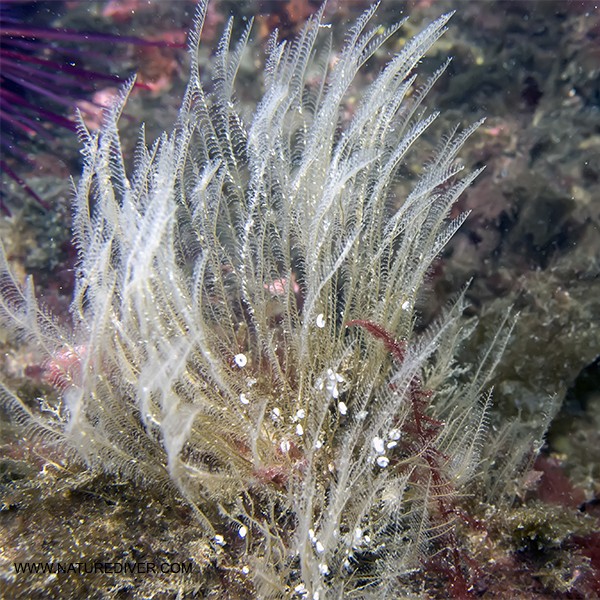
[244, 317]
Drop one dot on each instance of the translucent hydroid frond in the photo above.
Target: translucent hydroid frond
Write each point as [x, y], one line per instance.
[216, 282]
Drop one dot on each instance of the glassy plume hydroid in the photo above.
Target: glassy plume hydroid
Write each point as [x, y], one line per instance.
[244, 318]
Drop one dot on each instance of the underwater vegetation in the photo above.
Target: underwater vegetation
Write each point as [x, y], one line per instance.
[244, 334]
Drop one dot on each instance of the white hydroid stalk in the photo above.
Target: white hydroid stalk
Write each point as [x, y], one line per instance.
[215, 283]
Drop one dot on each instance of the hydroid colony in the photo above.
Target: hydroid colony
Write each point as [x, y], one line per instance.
[244, 319]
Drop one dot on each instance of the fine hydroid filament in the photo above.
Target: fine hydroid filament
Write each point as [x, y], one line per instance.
[211, 350]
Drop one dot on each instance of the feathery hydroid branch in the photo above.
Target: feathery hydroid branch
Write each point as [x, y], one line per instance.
[211, 351]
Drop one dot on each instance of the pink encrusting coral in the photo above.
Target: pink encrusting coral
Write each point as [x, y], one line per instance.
[63, 369]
